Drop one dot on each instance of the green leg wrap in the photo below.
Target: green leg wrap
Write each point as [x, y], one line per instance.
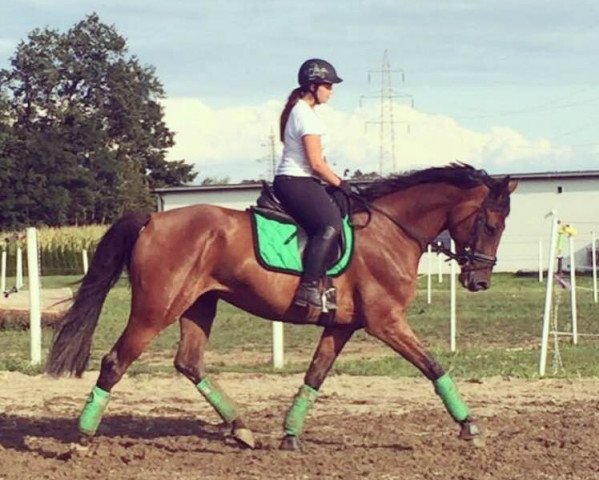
[447, 390]
[223, 405]
[302, 403]
[92, 411]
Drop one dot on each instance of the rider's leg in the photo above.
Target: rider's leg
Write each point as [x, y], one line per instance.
[315, 256]
[308, 202]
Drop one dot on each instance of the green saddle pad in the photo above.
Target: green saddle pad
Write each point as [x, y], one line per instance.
[277, 245]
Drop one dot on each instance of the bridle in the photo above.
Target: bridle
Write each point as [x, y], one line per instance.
[468, 256]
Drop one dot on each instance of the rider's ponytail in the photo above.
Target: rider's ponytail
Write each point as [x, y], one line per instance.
[294, 96]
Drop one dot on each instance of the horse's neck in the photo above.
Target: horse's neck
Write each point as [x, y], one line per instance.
[425, 208]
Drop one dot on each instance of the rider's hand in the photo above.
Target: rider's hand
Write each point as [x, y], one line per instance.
[345, 187]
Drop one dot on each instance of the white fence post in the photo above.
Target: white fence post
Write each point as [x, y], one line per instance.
[573, 292]
[19, 279]
[440, 267]
[429, 255]
[548, 293]
[3, 279]
[35, 311]
[278, 360]
[452, 301]
[84, 257]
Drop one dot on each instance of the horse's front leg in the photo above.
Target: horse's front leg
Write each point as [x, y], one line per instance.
[330, 345]
[396, 333]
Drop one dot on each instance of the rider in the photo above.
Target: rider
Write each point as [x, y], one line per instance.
[303, 173]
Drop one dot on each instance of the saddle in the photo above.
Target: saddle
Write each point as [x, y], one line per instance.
[279, 240]
[268, 201]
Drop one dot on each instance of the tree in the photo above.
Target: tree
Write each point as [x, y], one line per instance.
[85, 121]
[215, 181]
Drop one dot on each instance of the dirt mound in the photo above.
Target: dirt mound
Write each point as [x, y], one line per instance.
[14, 308]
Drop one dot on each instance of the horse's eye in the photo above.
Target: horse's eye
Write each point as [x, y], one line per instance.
[490, 229]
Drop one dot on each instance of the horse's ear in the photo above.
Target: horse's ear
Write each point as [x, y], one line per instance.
[507, 185]
[504, 187]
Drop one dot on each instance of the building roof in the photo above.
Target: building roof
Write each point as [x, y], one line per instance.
[208, 188]
[576, 174]
[556, 175]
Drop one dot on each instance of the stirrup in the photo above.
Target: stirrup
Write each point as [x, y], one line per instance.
[329, 299]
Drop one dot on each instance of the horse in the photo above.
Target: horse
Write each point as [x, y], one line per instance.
[181, 262]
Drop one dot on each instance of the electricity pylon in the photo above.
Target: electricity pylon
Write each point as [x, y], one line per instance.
[271, 157]
[387, 121]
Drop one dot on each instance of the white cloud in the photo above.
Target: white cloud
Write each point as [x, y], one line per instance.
[229, 141]
[423, 139]
[221, 142]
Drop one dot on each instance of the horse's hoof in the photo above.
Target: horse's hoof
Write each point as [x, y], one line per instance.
[290, 442]
[468, 430]
[244, 437]
[85, 440]
[79, 448]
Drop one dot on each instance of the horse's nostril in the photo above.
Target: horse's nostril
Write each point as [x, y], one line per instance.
[482, 285]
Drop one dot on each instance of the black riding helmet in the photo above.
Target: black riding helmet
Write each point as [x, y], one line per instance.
[317, 71]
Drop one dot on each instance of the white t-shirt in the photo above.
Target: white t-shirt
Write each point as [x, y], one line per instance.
[302, 120]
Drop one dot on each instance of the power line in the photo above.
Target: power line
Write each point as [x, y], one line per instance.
[542, 108]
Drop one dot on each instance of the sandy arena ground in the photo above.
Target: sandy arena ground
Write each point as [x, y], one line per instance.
[361, 427]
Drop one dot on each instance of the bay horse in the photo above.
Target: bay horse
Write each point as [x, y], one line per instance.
[182, 262]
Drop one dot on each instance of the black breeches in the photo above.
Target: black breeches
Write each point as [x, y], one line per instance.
[307, 200]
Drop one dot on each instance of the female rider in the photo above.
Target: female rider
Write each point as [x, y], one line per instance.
[303, 173]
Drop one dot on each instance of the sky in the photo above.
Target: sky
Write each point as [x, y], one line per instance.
[511, 86]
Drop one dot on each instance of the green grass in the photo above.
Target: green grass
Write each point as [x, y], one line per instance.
[498, 334]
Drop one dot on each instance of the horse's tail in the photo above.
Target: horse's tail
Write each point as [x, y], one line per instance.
[70, 350]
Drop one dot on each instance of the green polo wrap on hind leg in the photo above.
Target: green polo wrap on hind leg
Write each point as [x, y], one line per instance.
[92, 411]
[216, 397]
[447, 390]
[302, 403]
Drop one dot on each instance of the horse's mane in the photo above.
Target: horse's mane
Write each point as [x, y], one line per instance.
[458, 174]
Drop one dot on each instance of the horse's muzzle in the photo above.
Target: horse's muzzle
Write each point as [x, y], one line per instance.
[473, 282]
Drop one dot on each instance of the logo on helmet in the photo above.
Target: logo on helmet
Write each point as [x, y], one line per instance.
[316, 71]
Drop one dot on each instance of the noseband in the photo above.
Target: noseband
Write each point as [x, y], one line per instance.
[469, 256]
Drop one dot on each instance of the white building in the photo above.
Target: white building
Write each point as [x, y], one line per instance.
[573, 195]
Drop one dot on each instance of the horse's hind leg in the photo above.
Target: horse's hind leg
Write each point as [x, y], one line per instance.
[331, 343]
[196, 323]
[396, 333]
[133, 341]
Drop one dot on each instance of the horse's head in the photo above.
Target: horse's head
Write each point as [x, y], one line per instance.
[476, 227]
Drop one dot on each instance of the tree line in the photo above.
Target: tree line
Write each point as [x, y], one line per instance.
[82, 133]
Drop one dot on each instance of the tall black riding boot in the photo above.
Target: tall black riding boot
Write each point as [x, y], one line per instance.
[315, 256]
[308, 293]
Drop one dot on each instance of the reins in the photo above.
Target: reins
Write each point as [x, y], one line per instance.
[469, 254]
[369, 206]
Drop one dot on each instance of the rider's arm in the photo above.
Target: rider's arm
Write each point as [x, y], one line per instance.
[313, 149]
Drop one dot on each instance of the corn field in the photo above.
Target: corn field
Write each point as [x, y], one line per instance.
[60, 249]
